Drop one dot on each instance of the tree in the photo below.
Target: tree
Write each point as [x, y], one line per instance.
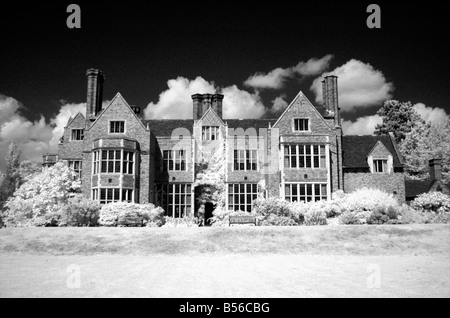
[423, 143]
[38, 200]
[398, 118]
[211, 176]
[11, 178]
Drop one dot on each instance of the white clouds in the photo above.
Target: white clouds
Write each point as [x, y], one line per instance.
[314, 66]
[430, 114]
[241, 104]
[60, 120]
[176, 101]
[279, 104]
[33, 138]
[272, 80]
[362, 126]
[278, 77]
[360, 85]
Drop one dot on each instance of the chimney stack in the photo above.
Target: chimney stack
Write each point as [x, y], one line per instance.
[207, 102]
[330, 97]
[197, 108]
[94, 93]
[217, 104]
[435, 169]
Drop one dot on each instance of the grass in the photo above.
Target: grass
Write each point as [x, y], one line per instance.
[236, 262]
[354, 240]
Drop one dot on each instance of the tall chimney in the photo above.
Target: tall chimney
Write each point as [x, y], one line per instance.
[197, 109]
[435, 169]
[207, 102]
[217, 104]
[330, 97]
[94, 93]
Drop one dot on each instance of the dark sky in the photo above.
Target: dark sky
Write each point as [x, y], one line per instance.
[140, 47]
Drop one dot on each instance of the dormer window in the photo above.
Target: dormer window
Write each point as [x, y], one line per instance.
[117, 127]
[380, 166]
[301, 124]
[77, 134]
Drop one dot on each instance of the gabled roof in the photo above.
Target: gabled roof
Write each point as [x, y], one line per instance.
[320, 110]
[356, 149]
[70, 121]
[210, 110]
[121, 98]
[165, 127]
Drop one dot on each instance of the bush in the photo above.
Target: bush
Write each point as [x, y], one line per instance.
[151, 215]
[78, 211]
[357, 217]
[275, 206]
[181, 222]
[275, 220]
[433, 202]
[365, 200]
[315, 214]
[222, 217]
[384, 216]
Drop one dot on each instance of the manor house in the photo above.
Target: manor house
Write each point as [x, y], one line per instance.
[300, 156]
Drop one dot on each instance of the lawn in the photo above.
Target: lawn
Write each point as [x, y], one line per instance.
[340, 261]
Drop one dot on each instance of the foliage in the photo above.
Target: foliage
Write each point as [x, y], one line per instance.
[221, 217]
[277, 220]
[315, 214]
[181, 222]
[408, 215]
[423, 143]
[433, 202]
[276, 206]
[211, 176]
[38, 201]
[365, 199]
[398, 118]
[9, 181]
[79, 211]
[151, 215]
[355, 217]
[383, 216]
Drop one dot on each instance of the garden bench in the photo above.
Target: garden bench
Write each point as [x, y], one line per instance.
[130, 221]
[243, 220]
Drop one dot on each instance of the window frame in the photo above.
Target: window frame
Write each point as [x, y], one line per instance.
[175, 199]
[114, 122]
[304, 156]
[101, 165]
[171, 159]
[79, 137]
[306, 192]
[245, 160]
[299, 121]
[208, 132]
[384, 166]
[238, 199]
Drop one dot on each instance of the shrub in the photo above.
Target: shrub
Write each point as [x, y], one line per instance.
[384, 216]
[221, 217]
[78, 211]
[275, 220]
[433, 202]
[181, 222]
[357, 217]
[365, 200]
[315, 214]
[276, 206]
[151, 215]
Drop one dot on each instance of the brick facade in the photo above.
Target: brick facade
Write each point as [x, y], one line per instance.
[151, 141]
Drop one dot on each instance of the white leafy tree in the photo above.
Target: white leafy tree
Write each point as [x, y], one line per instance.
[423, 143]
[211, 176]
[37, 201]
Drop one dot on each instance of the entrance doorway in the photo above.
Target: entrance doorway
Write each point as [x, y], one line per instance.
[209, 208]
